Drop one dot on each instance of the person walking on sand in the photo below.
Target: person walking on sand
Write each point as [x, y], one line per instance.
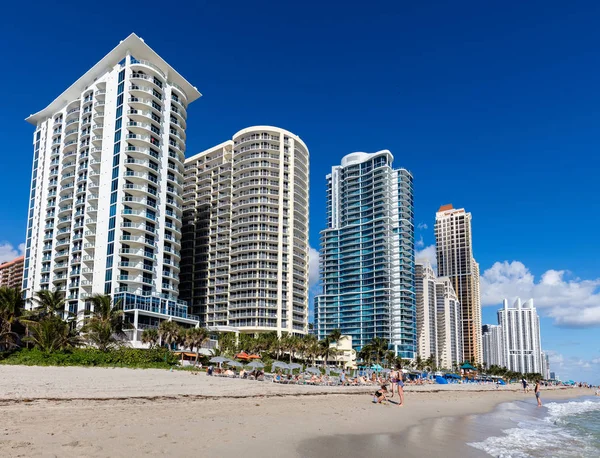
[537, 393]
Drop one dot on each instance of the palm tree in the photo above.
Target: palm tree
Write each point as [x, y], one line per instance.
[48, 303]
[325, 349]
[52, 334]
[11, 309]
[419, 363]
[311, 348]
[170, 333]
[366, 354]
[289, 342]
[335, 336]
[150, 336]
[195, 338]
[379, 347]
[105, 326]
[390, 358]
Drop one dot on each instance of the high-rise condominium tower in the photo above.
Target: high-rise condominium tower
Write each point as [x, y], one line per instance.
[439, 330]
[493, 345]
[455, 260]
[245, 242]
[367, 254]
[106, 191]
[521, 336]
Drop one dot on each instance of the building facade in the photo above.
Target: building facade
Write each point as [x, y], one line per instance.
[493, 346]
[438, 318]
[245, 242]
[521, 336]
[455, 260]
[545, 365]
[106, 191]
[367, 254]
[11, 273]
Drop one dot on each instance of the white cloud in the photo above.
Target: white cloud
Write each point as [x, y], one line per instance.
[573, 367]
[313, 269]
[570, 301]
[420, 243]
[421, 226]
[8, 252]
[427, 254]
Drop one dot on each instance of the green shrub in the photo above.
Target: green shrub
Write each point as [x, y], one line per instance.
[159, 358]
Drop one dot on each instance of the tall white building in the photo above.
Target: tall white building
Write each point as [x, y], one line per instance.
[106, 190]
[245, 244]
[493, 346]
[545, 366]
[455, 260]
[438, 318]
[521, 336]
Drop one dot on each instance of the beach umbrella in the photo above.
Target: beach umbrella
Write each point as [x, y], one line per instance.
[256, 365]
[386, 371]
[313, 370]
[219, 359]
[279, 364]
[234, 363]
[293, 366]
[335, 370]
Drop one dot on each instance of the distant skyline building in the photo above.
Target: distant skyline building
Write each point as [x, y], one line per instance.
[454, 251]
[493, 346]
[106, 189]
[438, 318]
[11, 273]
[545, 365]
[521, 336]
[245, 232]
[367, 254]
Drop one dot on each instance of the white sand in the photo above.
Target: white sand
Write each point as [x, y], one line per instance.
[76, 412]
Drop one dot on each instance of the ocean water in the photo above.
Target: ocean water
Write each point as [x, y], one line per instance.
[559, 429]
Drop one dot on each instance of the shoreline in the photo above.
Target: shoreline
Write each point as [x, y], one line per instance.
[234, 417]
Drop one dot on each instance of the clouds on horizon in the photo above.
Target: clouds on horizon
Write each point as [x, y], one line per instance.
[570, 301]
[8, 252]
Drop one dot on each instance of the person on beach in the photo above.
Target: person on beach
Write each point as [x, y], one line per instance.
[524, 382]
[379, 395]
[400, 386]
[537, 393]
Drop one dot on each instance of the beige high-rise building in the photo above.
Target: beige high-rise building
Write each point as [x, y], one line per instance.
[455, 260]
[245, 233]
[439, 331]
[11, 273]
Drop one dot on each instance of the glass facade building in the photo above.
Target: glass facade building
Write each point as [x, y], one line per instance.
[367, 254]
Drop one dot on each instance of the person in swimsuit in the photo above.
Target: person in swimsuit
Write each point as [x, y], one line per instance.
[537, 393]
[400, 385]
[379, 395]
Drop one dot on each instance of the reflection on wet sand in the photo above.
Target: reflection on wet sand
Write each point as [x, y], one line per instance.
[436, 437]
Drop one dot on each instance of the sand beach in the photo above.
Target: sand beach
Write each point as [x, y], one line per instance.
[76, 412]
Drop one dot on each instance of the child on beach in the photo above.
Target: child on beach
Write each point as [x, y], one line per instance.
[379, 395]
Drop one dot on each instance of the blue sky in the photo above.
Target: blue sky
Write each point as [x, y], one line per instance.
[492, 105]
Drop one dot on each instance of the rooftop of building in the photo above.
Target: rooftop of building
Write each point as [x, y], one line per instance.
[12, 262]
[360, 157]
[133, 45]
